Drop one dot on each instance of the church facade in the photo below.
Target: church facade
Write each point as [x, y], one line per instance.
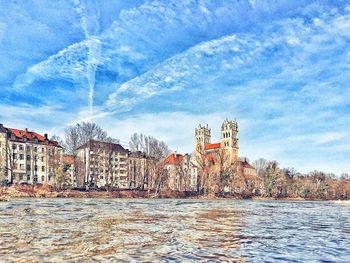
[227, 146]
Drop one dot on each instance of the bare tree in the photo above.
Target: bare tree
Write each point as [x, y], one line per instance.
[8, 161]
[81, 133]
[134, 143]
[149, 145]
[260, 166]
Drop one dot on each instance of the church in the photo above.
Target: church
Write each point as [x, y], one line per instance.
[227, 146]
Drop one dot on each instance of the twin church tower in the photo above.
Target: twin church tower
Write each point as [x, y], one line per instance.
[228, 143]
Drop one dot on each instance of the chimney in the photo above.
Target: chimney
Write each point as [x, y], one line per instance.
[26, 129]
[45, 135]
[175, 154]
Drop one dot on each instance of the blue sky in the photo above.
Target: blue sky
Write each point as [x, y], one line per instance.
[282, 68]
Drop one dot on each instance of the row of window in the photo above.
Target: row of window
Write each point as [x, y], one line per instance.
[28, 147]
[20, 156]
[110, 178]
[28, 167]
[21, 148]
[23, 177]
[115, 171]
[101, 158]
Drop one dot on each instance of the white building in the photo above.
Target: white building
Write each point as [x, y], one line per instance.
[105, 164]
[27, 157]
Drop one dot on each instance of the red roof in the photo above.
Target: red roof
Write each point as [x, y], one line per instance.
[245, 164]
[25, 133]
[174, 159]
[30, 136]
[69, 159]
[212, 146]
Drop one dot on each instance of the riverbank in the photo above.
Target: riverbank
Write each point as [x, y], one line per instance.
[46, 191]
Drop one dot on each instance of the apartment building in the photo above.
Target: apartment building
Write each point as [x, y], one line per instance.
[27, 157]
[104, 164]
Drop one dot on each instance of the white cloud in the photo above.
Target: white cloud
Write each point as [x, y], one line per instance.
[320, 138]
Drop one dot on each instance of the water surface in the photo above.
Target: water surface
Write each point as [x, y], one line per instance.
[138, 230]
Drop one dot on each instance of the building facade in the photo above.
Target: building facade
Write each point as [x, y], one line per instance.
[182, 172]
[28, 157]
[104, 164]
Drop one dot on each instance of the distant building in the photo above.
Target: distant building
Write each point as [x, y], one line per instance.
[138, 170]
[228, 144]
[182, 172]
[28, 157]
[105, 164]
[225, 151]
[246, 168]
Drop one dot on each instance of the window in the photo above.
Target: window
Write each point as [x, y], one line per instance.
[28, 167]
[43, 150]
[21, 147]
[28, 157]
[14, 156]
[42, 178]
[35, 168]
[35, 149]
[21, 166]
[21, 177]
[42, 158]
[14, 146]
[28, 177]
[43, 168]
[21, 156]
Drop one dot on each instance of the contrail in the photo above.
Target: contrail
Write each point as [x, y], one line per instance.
[94, 52]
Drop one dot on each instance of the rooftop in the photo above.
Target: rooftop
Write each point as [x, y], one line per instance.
[27, 136]
[174, 159]
[212, 146]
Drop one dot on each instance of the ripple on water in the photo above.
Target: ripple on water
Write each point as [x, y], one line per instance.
[120, 230]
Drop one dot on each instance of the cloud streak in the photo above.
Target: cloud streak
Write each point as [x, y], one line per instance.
[281, 68]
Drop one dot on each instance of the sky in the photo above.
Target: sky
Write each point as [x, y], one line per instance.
[281, 68]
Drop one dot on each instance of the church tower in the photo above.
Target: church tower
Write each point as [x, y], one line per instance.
[229, 138]
[202, 137]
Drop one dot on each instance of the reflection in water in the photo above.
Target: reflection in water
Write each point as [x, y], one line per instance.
[120, 230]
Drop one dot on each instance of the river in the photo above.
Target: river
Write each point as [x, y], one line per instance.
[173, 230]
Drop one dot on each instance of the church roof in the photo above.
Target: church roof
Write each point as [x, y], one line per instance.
[212, 146]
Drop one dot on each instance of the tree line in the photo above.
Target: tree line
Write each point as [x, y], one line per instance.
[216, 176]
